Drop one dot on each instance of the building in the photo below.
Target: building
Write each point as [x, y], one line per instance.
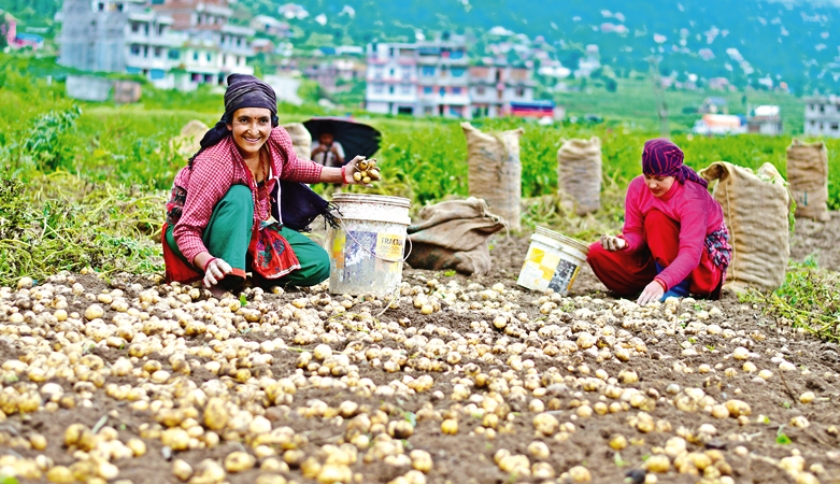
[211, 47]
[435, 79]
[329, 73]
[493, 88]
[117, 36]
[177, 44]
[822, 116]
[270, 26]
[714, 105]
[765, 120]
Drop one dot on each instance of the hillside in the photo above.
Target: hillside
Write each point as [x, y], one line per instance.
[754, 42]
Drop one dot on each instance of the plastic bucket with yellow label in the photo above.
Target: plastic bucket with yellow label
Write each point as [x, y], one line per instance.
[553, 262]
[366, 251]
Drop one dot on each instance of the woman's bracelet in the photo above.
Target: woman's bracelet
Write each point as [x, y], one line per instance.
[343, 179]
[204, 269]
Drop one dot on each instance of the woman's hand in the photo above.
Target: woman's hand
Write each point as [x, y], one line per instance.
[653, 292]
[352, 167]
[215, 271]
[612, 243]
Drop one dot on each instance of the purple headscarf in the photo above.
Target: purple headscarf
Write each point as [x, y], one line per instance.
[244, 91]
[663, 158]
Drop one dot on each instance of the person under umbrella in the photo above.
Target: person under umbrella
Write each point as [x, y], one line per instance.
[326, 151]
[220, 218]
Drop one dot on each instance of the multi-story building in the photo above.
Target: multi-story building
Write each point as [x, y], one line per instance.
[422, 79]
[494, 87]
[435, 79]
[179, 43]
[212, 48]
[822, 116]
[117, 36]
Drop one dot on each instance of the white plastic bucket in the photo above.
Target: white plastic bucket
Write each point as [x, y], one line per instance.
[366, 251]
[553, 262]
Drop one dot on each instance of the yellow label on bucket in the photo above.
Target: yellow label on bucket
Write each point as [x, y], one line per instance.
[389, 246]
[339, 242]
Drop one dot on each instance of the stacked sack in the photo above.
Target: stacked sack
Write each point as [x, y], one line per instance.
[807, 169]
[495, 171]
[756, 208]
[579, 173]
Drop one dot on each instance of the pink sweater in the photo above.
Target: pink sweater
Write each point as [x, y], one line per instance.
[220, 167]
[690, 205]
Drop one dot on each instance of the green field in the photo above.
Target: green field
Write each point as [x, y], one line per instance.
[90, 180]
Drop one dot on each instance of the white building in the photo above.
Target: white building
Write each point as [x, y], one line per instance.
[421, 79]
[822, 116]
[495, 87]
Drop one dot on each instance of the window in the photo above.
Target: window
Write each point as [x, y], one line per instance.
[458, 71]
[135, 27]
[195, 56]
[428, 90]
[442, 92]
[158, 51]
[390, 89]
[479, 90]
[456, 90]
[209, 57]
[378, 88]
[391, 73]
[405, 89]
[822, 108]
[428, 71]
[101, 7]
[520, 91]
[835, 126]
[377, 73]
[457, 54]
[406, 73]
[174, 54]
[119, 7]
[135, 50]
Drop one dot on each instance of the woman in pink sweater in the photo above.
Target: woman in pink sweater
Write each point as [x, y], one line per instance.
[674, 241]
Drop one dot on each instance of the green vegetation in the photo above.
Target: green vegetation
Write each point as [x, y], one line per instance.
[84, 185]
[809, 300]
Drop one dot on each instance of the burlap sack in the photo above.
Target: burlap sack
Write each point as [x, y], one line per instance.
[453, 235]
[579, 173]
[301, 140]
[495, 170]
[807, 170]
[756, 208]
[186, 143]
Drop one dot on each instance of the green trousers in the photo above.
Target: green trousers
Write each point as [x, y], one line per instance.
[228, 235]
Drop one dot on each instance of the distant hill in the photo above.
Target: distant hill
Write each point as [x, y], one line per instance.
[747, 41]
[751, 42]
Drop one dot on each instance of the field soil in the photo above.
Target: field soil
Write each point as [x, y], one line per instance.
[720, 391]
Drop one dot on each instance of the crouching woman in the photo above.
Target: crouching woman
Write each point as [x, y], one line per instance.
[674, 242]
[219, 221]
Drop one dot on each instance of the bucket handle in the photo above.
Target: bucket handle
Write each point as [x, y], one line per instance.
[350, 234]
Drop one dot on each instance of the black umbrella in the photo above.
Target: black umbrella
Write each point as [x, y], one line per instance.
[355, 138]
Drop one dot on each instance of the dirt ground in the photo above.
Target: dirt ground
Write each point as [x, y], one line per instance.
[565, 359]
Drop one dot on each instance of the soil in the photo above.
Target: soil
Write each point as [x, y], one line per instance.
[750, 448]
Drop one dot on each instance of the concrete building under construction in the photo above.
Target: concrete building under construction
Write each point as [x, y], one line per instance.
[174, 43]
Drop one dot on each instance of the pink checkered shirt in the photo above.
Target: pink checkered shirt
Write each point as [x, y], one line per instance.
[220, 167]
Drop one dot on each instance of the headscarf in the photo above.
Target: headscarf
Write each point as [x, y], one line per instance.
[663, 158]
[244, 91]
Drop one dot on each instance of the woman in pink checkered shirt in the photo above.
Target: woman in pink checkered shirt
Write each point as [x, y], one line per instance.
[219, 220]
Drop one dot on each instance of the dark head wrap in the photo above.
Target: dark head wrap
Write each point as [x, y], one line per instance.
[663, 158]
[244, 91]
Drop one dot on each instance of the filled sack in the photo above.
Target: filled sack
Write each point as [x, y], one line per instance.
[453, 235]
[807, 171]
[301, 140]
[495, 171]
[756, 206]
[579, 173]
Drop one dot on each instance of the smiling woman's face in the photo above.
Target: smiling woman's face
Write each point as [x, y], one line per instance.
[251, 128]
[659, 185]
